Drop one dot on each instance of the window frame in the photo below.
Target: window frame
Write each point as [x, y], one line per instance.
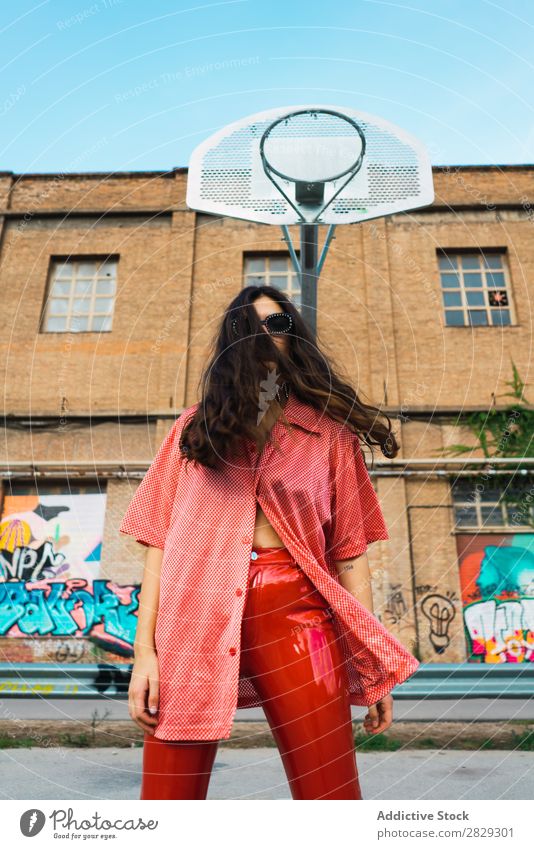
[75, 260]
[464, 308]
[477, 503]
[291, 275]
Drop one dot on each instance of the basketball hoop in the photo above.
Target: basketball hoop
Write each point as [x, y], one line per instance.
[289, 151]
[309, 165]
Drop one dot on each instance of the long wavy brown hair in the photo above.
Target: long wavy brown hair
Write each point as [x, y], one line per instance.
[230, 384]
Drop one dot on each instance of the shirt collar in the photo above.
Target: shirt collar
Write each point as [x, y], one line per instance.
[304, 415]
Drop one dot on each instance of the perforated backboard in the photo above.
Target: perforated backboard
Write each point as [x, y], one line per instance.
[227, 177]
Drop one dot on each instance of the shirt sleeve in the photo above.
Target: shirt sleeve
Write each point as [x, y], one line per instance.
[148, 516]
[356, 517]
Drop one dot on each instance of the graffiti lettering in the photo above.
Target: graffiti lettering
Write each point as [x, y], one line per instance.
[30, 564]
[501, 632]
[69, 608]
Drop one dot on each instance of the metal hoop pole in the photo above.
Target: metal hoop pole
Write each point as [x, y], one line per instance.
[328, 239]
[309, 237]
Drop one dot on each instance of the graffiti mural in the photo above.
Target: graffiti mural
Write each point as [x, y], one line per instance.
[50, 581]
[497, 581]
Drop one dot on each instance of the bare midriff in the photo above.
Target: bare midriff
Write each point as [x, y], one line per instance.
[264, 533]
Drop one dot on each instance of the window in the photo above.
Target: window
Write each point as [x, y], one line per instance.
[81, 295]
[478, 503]
[273, 270]
[475, 288]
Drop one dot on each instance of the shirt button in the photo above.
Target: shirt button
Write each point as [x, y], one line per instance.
[239, 592]
[246, 540]
[232, 650]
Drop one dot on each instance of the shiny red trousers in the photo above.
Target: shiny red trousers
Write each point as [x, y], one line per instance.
[290, 650]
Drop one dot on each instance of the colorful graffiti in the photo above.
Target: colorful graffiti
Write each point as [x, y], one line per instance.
[497, 581]
[68, 608]
[50, 582]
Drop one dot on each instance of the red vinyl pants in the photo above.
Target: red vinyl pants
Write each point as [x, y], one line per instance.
[289, 648]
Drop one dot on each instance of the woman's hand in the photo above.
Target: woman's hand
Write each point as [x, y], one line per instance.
[143, 692]
[380, 716]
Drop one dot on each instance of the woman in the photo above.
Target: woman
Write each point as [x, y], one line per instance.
[257, 511]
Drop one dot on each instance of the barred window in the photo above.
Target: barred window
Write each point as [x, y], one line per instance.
[500, 503]
[273, 270]
[81, 295]
[475, 288]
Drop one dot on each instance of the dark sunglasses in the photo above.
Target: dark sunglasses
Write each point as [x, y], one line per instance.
[275, 323]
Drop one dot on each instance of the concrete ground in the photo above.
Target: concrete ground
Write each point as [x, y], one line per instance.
[107, 773]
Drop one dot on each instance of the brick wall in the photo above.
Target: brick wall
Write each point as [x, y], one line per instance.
[379, 316]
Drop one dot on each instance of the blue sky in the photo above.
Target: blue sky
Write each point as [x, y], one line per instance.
[115, 85]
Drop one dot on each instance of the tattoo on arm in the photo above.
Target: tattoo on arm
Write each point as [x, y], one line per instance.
[346, 568]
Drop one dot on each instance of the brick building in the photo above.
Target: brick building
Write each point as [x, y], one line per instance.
[112, 289]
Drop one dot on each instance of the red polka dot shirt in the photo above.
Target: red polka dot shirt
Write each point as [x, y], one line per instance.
[312, 483]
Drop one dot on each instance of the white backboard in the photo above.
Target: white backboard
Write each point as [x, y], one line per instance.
[226, 174]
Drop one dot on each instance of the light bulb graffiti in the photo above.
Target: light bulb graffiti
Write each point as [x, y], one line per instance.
[440, 611]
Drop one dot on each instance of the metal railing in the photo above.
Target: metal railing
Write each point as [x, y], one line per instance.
[430, 681]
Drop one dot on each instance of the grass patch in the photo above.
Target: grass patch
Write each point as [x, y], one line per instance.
[488, 744]
[7, 742]
[427, 743]
[376, 743]
[519, 742]
[482, 736]
[523, 742]
[77, 741]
